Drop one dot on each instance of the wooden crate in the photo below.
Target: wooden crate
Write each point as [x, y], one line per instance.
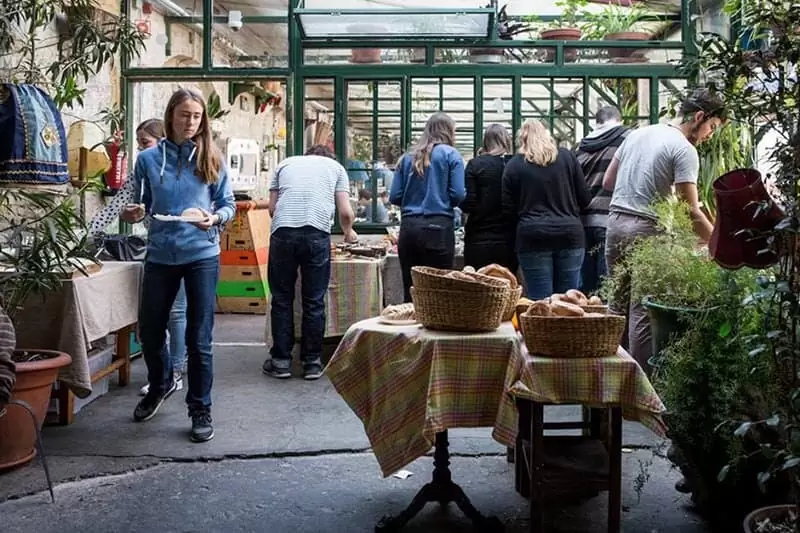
[249, 230]
[249, 306]
[244, 257]
[243, 273]
[242, 289]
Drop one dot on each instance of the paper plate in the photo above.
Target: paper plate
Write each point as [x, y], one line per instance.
[178, 218]
[397, 322]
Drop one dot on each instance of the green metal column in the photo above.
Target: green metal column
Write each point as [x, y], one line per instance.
[208, 34]
[516, 108]
[655, 103]
[477, 114]
[340, 119]
[406, 114]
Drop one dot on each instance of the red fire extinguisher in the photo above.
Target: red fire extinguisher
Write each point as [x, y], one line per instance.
[115, 176]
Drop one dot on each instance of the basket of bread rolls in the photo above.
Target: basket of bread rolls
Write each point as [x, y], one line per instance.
[557, 328]
[590, 304]
[453, 300]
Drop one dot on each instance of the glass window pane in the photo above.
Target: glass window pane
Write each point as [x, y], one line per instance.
[367, 25]
[175, 31]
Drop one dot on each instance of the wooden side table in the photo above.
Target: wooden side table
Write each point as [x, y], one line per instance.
[566, 464]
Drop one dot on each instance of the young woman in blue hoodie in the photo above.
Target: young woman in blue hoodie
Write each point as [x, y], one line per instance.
[183, 171]
[428, 184]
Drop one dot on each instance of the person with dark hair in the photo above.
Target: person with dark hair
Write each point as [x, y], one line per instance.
[594, 154]
[183, 174]
[649, 163]
[488, 233]
[304, 193]
[148, 133]
[428, 185]
[365, 202]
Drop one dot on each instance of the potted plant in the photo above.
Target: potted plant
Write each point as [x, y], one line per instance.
[675, 280]
[507, 30]
[216, 114]
[42, 242]
[618, 22]
[566, 28]
[759, 88]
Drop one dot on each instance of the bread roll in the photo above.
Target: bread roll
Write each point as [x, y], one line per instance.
[463, 276]
[569, 298]
[399, 312]
[524, 301]
[562, 308]
[468, 269]
[497, 271]
[540, 308]
[595, 300]
[193, 212]
[578, 296]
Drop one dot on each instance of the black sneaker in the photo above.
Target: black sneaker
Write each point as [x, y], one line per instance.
[312, 372]
[150, 404]
[273, 371]
[202, 430]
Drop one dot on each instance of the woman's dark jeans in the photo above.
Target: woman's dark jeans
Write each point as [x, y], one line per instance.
[425, 241]
[308, 250]
[159, 288]
[497, 250]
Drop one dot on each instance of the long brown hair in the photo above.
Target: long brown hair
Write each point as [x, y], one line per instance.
[496, 140]
[440, 129]
[209, 161]
[536, 143]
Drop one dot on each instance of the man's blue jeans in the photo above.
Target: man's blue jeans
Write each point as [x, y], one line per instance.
[594, 262]
[159, 288]
[551, 271]
[308, 250]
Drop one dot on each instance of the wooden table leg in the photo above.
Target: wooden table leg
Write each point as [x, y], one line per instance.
[536, 467]
[123, 354]
[615, 470]
[66, 404]
[522, 476]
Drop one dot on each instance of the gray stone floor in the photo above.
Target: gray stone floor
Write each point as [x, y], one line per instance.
[289, 457]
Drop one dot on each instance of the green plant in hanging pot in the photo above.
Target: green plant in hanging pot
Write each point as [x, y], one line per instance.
[620, 22]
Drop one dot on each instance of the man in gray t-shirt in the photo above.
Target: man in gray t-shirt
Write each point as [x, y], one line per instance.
[650, 164]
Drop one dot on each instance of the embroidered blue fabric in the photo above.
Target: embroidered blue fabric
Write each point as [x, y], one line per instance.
[33, 143]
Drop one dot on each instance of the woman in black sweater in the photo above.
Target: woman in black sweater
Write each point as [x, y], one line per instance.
[488, 233]
[544, 193]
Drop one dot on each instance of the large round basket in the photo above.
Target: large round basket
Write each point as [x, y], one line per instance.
[511, 304]
[560, 336]
[435, 278]
[475, 310]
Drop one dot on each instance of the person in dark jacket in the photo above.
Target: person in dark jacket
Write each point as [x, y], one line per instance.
[8, 343]
[488, 233]
[544, 192]
[594, 154]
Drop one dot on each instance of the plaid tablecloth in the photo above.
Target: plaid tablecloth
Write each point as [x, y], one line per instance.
[593, 382]
[407, 383]
[355, 293]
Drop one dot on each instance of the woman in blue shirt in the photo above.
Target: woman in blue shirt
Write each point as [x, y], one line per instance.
[183, 171]
[428, 184]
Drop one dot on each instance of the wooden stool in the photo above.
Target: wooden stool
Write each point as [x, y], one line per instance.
[568, 464]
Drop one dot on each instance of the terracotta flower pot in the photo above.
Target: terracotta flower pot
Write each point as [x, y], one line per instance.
[773, 512]
[365, 55]
[34, 382]
[626, 53]
[561, 34]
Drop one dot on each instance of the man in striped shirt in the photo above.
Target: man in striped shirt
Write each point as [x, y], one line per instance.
[8, 342]
[305, 192]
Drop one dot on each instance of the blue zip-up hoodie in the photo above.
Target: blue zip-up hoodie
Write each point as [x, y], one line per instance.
[437, 192]
[167, 185]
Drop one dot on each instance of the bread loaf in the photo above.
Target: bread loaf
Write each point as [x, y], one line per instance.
[468, 269]
[577, 297]
[557, 297]
[540, 308]
[463, 276]
[595, 300]
[399, 312]
[193, 212]
[497, 271]
[563, 308]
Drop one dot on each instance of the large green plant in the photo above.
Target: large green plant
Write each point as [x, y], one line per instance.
[669, 267]
[761, 89]
[43, 241]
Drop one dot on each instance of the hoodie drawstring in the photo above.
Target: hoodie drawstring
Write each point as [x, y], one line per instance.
[164, 159]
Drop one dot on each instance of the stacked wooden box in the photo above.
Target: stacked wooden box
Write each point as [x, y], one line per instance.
[242, 286]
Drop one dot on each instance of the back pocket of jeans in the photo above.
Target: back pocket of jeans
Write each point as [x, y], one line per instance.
[434, 237]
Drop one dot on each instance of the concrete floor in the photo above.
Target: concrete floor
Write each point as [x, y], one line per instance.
[289, 456]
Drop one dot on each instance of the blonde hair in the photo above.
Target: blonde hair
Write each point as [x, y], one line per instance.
[440, 129]
[536, 144]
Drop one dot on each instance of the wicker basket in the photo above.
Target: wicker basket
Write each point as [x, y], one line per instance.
[602, 309]
[474, 310]
[511, 304]
[434, 278]
[559, 336]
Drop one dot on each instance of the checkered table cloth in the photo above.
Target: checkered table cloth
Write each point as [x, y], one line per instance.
[407, 383]
[593, 382]
[355, 293]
